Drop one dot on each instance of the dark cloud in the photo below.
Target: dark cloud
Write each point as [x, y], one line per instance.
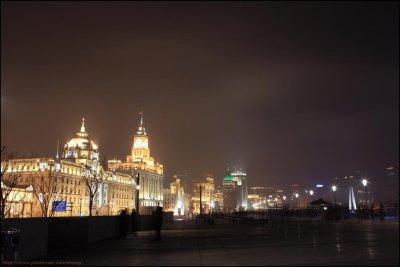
[289, 91]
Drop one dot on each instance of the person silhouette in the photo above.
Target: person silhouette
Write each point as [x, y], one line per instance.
[133, 222]
[157, 222]
[123, 223]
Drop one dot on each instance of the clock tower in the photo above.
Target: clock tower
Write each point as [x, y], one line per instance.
[149, 173]
[140, 148]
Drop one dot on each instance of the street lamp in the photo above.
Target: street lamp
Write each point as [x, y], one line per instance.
[364, 182]
[297, 200]
[284, 198]
[276, 203]
[334, 195]
[137, 192]
[311, 194]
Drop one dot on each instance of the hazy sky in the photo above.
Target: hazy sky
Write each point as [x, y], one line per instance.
[291, 92]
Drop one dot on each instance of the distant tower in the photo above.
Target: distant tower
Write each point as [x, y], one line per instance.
[140, 148]
[241, 189]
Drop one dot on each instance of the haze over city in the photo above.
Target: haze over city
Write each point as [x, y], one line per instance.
[290, 93]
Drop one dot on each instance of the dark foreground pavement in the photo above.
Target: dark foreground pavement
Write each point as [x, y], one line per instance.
[279, 242]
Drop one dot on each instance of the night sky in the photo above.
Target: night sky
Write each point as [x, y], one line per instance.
[291, 92]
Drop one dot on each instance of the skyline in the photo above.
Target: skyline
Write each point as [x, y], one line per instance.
[289, 92]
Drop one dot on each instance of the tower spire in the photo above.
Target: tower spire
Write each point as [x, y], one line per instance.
[141, 129]
[141, 118]
[58, 141]
[83, 125]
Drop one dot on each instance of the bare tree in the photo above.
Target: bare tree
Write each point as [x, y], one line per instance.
[51, 186]
[92, 178]
[10, 180]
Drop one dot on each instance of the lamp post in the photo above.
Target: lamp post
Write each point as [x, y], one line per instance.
[284, 200]
[311, 194]
[201, 208]
[276, 203]
[265, 203]
[137, 192]
[334, 195]
[364, 182]
[297, 200]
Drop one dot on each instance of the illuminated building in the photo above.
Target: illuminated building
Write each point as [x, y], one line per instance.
[174, 198]
[234, 188]
[241, 189]
[218, 199]
[150, 173]
[82, 149]
[62, 180]
[229, 194]
[207, 196]
[19, 201]
[268, 198]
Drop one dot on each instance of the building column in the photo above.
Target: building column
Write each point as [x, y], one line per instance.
[152, 188]
[159, 189]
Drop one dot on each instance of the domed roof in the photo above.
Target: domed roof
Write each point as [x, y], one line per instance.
[82, 140]
[82, 143]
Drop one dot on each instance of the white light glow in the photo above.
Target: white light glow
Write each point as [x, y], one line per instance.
[364, 182]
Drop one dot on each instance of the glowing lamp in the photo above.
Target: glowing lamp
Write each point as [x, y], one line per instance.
[364, 182]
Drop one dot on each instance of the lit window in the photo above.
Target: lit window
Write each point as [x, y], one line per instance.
[42, 165]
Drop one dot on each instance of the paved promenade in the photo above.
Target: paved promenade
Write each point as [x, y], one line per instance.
[279, 242]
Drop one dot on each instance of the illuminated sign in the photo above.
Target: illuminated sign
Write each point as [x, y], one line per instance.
[59, 206]
[320, 185]
[228, 178]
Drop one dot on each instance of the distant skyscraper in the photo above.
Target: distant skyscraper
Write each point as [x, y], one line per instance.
[234, 188]
[241, 189]
[228, 190]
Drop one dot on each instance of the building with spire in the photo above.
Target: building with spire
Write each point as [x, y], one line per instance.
[81, 149]
[142, 166]
[60, 183]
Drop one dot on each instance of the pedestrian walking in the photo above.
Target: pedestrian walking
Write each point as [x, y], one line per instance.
[157, 222]
[123, 223]
[381, 211]
[133, 222]
[372, 212]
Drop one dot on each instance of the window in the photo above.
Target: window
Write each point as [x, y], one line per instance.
[42, 165]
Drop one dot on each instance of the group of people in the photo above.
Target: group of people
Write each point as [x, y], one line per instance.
[157, 220]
